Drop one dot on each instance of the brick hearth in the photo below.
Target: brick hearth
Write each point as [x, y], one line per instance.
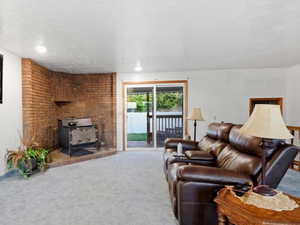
[49, 96]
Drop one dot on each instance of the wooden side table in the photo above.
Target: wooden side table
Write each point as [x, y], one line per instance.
[232, 210]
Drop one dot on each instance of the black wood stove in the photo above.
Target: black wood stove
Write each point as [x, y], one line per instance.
[77, 133]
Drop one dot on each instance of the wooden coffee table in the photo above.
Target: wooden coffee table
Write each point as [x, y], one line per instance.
[232, 210]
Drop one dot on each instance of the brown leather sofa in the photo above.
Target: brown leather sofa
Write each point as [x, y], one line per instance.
[222, 157]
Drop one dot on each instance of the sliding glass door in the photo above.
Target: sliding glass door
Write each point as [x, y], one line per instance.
[153, 113]
[139, 110]
[169, 113]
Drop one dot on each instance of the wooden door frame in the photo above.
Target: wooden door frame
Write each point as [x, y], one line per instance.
[279, 99]
[185, 107]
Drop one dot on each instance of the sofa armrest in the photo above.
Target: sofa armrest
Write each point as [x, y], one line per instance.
[212, 175]
[200, 155]
[279, 163]
[186, 144]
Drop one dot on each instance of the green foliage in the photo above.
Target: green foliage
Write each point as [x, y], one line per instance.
[165, 101]
[168, 101]
[25, 161]
[140, 102]
[39, 155]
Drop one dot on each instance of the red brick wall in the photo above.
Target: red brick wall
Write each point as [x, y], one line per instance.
[86, 95]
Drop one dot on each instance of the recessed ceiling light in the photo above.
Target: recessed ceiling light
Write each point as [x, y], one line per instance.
[138, 67]
[41, 49]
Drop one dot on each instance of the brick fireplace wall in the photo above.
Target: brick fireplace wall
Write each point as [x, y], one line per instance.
[49, 96]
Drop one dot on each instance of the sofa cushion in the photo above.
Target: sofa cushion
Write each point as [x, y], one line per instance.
[200, 155]
[243, 143]
[210, 145]
[217, 147]
[234, 160]
[251, 145]
[212, 175]
[212, 130]
[223, 131]
[206, 144]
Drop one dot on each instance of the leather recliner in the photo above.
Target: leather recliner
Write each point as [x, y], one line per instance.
[222, 157]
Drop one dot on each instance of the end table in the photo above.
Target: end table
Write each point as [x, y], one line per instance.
[231, 210]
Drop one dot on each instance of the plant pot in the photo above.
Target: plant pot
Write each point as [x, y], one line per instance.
[31, 164]
[28, 166]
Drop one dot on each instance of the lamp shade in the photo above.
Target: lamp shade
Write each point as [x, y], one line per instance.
[195, 115]
[266, 122]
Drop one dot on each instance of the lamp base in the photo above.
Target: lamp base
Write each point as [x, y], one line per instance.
[264, 190]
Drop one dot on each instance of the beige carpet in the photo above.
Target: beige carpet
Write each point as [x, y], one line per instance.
[124, 189]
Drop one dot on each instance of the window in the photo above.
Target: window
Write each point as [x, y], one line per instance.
[1, 79]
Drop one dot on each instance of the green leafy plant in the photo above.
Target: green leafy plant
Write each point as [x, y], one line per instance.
[16, 159]
[39, 155]
[26, 161]
[27, 157]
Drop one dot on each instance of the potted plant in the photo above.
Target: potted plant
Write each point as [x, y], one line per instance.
[27, 160]
[39, 155]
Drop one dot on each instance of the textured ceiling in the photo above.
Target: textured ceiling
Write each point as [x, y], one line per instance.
[164, 35]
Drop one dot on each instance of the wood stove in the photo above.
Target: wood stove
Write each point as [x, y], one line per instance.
[77, 133]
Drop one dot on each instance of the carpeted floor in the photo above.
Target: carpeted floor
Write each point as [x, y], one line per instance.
[291, 183]
[124, 189]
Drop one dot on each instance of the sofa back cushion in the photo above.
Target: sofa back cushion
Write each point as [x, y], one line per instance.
[206, 143]
[224, 131]
[211, 145]
[211, 137]
[243, 143]
[216, 138]
[251, 145]
[212, 130]
[232, 159]
[217, 147]
[242, 155]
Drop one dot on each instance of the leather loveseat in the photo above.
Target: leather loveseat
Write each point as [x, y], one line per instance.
[222, 157]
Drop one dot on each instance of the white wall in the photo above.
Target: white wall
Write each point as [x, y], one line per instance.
[11, 109]
[293, 99]
[222, 94]
[293, 95]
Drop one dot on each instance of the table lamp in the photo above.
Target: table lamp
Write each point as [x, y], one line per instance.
[267, 123]
[195, 115]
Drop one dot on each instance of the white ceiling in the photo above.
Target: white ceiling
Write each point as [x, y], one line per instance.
[164, 35]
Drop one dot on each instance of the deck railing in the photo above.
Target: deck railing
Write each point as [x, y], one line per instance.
[167, 126]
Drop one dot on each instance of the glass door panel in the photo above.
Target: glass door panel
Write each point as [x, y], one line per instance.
[169, 113]
[140, 117]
